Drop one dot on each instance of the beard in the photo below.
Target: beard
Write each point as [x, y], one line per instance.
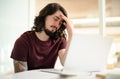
[49, 33]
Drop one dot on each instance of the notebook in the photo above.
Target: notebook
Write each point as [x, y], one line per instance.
[86, 54]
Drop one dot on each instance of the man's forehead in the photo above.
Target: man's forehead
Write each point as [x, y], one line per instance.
[58, 14]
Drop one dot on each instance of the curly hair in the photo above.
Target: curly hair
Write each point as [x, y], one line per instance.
[39, 21]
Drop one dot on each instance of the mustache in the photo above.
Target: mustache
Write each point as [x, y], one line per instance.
[54, 27]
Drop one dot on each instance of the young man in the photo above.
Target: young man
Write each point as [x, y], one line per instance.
[40, 47]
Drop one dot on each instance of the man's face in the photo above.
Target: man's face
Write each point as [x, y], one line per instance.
[53, 22]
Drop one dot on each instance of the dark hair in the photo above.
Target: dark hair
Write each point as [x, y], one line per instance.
[39, 21]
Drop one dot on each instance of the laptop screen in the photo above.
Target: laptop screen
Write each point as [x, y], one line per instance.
[87, 53]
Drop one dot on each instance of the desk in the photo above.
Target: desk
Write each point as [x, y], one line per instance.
[37, 74]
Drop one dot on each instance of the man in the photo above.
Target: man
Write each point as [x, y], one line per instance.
[40, 47]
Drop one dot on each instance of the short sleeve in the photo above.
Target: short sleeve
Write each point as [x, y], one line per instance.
[20, 50]
[63, 43]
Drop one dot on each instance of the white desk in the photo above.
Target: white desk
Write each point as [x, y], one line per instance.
[37, 74]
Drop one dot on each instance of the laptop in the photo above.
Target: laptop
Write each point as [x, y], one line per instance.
[86, 54]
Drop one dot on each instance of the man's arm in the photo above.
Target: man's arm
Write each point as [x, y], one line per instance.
[69, 27]
[63, 52]
[20, 66]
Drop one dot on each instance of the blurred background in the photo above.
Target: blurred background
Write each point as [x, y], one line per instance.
[101, 17]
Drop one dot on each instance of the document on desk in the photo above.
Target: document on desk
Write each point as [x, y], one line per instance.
[64, 76]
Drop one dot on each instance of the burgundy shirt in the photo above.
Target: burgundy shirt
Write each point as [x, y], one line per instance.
[38, 54]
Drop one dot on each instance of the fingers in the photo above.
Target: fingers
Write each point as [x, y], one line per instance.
[68, 24]
[64, 18]
[67, 21]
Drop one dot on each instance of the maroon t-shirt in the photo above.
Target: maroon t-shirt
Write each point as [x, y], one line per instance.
[38, 54]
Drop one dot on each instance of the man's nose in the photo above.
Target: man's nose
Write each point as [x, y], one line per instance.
[57, 24]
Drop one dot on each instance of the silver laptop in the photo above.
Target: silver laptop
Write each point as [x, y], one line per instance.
[86, 54]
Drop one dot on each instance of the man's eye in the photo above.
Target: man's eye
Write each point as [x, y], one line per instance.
[55, 19]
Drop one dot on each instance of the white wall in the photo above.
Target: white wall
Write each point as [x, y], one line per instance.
[14, 15]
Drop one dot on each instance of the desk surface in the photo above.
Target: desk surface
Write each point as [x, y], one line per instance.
[37, 74]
